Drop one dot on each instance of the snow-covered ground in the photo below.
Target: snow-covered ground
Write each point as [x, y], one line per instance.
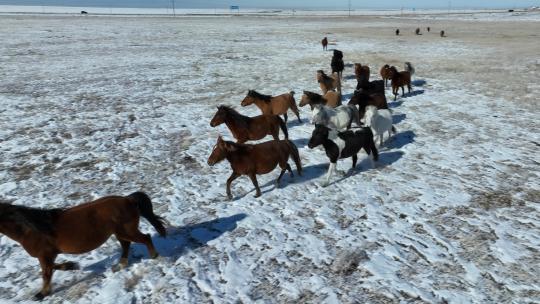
[106, 105]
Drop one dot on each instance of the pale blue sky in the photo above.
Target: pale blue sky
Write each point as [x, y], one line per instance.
[336, 4]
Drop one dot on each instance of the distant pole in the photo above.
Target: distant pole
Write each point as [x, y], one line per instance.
[173, 8]
[349, 8]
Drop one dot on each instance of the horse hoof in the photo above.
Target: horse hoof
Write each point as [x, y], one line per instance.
[117, 267]
[257, 195]
[39, 297]
[155, 256]
[229, 197]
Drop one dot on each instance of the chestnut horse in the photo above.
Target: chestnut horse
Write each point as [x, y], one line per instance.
[328, 83]
[245, 128]
[385, 74]
[45, 233]
[361, 71]
[255, 159]
[324, 43]
[272, 105]
[399, 80]
[362, 100]
[331, 99]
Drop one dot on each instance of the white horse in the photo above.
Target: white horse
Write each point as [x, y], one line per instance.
[339, 118]
[380, 121]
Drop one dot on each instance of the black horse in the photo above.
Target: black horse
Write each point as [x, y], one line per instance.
[343, 145]
[337, 63]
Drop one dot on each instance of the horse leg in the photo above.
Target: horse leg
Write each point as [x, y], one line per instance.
[354, 160]
[403, 91]
[381, 139]
[233, 176]
[285, 116]
[253, 178]
[290, 170]
[66, 266]
[329, 173]
[297, 115]
[47, 267]
[409, 87]
[131, 233]
[125, 255]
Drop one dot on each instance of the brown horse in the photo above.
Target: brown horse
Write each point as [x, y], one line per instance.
[442, 33]
[363, 100]
[399, 80]
[45, 233]
[361, 71]
[331, 99]
[245, 128]
[328, 83]
[385, 74]
[272, 105]
[324, 43]
[256, 159]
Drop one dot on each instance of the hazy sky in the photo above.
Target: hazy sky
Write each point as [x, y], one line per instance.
[337, 4]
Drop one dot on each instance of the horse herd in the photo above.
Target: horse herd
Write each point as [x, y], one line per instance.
[46, 233]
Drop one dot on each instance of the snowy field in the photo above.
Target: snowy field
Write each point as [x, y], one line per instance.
[93, 106]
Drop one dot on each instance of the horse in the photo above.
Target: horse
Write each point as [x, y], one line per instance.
[245, 128]
[370, 87]
[361, 71]
[328, 83]
[272, 105]
[397, 32]
[339, 118]
[46, 233]
[379, 121]
[324, 43]
[337, 63]
[331, 99]
[417, 31]
[343, 145]
[409, 68]
[255, 159]
[399, 80]
[428, 29]
[385, 74]
[442, 33]
[362, 100]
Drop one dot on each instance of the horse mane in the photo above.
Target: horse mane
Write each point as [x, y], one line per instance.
[255, 94]
[314, 97]
[237, 117]
[324, 76]
[241, 148]
[36, 219]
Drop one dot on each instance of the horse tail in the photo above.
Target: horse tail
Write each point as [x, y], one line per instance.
[295, 156]
[283, 127]
[292, 104]
[292, 93]
[393, 130]
[144, 204]
[338, 85]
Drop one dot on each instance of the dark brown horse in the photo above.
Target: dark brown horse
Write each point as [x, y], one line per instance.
[331, 99]
[417, 31]
[397, 32]
[399, 80]
[324, 43]
[45, 233]
[256, 159]
[328, 83]
[442, 33]
[361, 71]
[370, 87]
[362, 100]
[337, 63]
[245, 128]
[272, 105]
[385, 74]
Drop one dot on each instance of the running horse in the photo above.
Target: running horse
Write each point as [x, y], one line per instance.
[46, 233]
[272, 105]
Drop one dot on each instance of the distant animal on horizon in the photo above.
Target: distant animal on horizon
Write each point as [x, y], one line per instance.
[340, 145]
[399, 80]
[428, 29]
[337, 63]
[245, 128]
[362, 100]
[397, 32]
[272, 105]
[324, 43]
[328, 83]
[339, 118]
[409, 68]
[442, 33]
[46, 233]
[361, 71]
[84, 13]
[331, 99]
[385, 74]
[417, 31]
[380, 121]
[255, 159]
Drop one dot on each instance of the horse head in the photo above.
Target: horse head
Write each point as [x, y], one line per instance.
[219, 117]
[318, 136]
[220, 151]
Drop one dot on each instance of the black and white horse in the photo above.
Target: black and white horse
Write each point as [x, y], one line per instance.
[342, 145]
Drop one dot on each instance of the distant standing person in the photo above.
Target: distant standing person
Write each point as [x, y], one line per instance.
[428, 29]
[397, 32]
[324, 43]
[442, 33]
